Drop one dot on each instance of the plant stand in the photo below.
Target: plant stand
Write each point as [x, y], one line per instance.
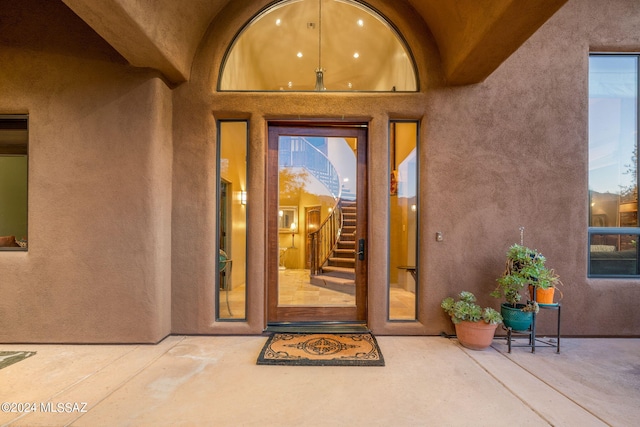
[531, 332]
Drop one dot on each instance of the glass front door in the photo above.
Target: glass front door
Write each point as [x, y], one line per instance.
[317, 224]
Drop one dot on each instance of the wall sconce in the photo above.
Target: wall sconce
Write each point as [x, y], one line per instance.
[293, 235]
[414, 208]
[243, 197]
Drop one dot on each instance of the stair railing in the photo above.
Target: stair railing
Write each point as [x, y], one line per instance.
[299, 152]
[303, 154]
[325, 239]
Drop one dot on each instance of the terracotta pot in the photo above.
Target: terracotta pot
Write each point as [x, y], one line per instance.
[475, 335]
[543, 296]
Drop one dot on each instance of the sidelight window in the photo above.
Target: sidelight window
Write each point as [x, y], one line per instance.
[403, 220]
[232, 221]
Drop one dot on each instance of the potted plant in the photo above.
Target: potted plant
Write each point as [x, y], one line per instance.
[525, 268]
[475, 326]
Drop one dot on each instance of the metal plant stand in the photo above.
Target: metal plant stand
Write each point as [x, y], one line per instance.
[531, 332]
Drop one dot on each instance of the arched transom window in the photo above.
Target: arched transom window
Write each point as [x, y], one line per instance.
[307, 45]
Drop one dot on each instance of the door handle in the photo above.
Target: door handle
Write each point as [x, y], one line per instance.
[360, 249]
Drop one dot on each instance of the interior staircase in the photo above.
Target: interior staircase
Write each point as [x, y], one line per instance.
[338, 272]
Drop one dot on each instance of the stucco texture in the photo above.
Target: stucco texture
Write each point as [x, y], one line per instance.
[98, 264]
[122, 177]
[506, 153]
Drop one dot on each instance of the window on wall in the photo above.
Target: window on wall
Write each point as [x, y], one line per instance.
[403, 220]
[13, 182]
[318, 45]
[614, 230]
[231, 301]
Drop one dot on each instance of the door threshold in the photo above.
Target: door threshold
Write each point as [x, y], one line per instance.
[307, 328]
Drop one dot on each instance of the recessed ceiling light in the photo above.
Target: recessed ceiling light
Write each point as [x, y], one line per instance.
[360, 23]
[299, 54]
[278, 21]
[356, 55]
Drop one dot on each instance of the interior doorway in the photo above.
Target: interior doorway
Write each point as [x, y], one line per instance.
[317, 224]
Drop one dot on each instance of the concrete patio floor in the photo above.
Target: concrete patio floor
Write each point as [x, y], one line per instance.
[427, 381]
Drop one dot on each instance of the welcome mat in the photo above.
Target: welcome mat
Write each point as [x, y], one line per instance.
[10, 357]
[321, 350]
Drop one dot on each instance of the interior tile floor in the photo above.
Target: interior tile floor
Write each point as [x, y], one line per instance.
[427, 381]
[295, 289]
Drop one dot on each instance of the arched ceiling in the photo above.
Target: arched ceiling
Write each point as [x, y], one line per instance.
[473, 36]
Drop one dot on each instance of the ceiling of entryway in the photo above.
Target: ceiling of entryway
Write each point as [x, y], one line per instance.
[287, 46]
[473, 36]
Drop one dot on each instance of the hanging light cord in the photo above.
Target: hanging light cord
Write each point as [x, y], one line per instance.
[320, 35]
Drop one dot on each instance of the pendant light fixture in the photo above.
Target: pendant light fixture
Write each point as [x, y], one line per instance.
[319, 70]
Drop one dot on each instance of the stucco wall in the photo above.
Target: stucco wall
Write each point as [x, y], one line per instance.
[122, 177]
[513, 151]
[98, 265]
[495, 156]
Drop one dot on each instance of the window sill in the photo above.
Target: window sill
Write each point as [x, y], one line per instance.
[13, 249]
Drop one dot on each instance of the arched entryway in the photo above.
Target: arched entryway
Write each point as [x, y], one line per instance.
[255, 112]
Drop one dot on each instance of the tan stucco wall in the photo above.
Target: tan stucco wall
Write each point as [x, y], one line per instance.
[509, 152]
[512, 152]
[122, 178]
[161, 34]
[98, 266]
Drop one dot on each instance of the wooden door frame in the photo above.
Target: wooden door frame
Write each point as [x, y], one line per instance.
[302, 314]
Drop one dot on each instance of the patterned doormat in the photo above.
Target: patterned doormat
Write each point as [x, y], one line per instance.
[10, 357]
[321, 350]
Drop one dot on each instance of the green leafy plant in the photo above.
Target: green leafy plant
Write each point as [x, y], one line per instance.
[524, 267]
[466, 309]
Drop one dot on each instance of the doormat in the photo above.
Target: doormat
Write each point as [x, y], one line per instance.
[321, 350]
[10, 357]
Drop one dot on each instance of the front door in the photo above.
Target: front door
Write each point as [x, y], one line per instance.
[317, 267]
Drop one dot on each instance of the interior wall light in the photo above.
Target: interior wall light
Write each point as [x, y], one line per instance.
[293, 235]
[243, 197]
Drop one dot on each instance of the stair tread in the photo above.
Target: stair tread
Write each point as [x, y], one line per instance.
[333, 279]
[338, 259]
[347, 246]
[339, 269]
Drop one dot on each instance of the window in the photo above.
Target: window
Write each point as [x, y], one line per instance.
[318, 45]
[403, 222]
[232, 223]
[613, 166]
[13, 182]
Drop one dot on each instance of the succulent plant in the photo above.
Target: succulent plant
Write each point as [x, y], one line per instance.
[466, 309]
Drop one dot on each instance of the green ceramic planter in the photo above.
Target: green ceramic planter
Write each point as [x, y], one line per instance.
[514, 318]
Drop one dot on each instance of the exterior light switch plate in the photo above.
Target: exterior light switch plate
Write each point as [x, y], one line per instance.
[439, 237]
